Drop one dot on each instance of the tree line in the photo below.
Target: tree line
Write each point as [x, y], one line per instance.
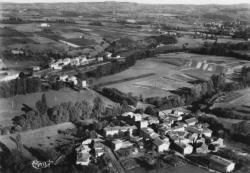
[23, 85]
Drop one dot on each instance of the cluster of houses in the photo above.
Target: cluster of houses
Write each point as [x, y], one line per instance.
[84, 154]
[172, 129]
[76, 61]
[74, 80]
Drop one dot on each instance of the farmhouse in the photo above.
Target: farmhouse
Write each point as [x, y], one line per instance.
[221, 164]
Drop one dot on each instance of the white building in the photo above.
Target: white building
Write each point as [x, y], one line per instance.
[207, 132]
[191, 121]
[118, 144]
[109, 55]
[183, 148]
[63, 78]
[83, 156]
[17, 52]
[220, 164]
[161, 145]
[178, 128]
[36, 68]
[73, 79]
[100, 59]
[44, 25]
[84, 83]
[56, 66]
[66, 61]
[115, 130]
[143, 124]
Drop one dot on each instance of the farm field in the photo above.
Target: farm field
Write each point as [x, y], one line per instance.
[238, 101]
[42, 138]
[10, 107]
[168, 72]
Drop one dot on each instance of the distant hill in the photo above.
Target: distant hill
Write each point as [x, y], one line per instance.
[240, 11]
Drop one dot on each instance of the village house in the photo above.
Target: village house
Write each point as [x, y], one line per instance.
[163, 130]
[118, 144]
[164, 113]
[99, 149]
[178, 128]
[152, 120]
[220, 164]
[202, 149]
[99, 59]
[108, 55]
[194, 129]
[66, 61]
[63, 77]
[161, 145]
[55, 66]
[183, 148]
[115, 130]
[137, 117]
[83, 156]
[17, 52]
[176, 117]
[84, 83]
[191, 121]
[35, 68]
[73, 79]
[148, 133]
[173, 136]
[143, 124]
[207, 132]
[44, 25]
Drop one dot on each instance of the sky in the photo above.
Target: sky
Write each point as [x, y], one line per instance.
[140, 1]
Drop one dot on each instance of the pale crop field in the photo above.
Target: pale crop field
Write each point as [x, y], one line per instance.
[170, 71]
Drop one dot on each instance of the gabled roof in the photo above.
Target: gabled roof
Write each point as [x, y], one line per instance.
[157, 141]
[220, 160]
[191, 120]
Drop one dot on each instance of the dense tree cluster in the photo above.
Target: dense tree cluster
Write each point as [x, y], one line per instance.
[224, 49]
[241, 131]
[20, 86]
[118, 96]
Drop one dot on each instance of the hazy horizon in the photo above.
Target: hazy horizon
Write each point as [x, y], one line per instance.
[195, 2]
